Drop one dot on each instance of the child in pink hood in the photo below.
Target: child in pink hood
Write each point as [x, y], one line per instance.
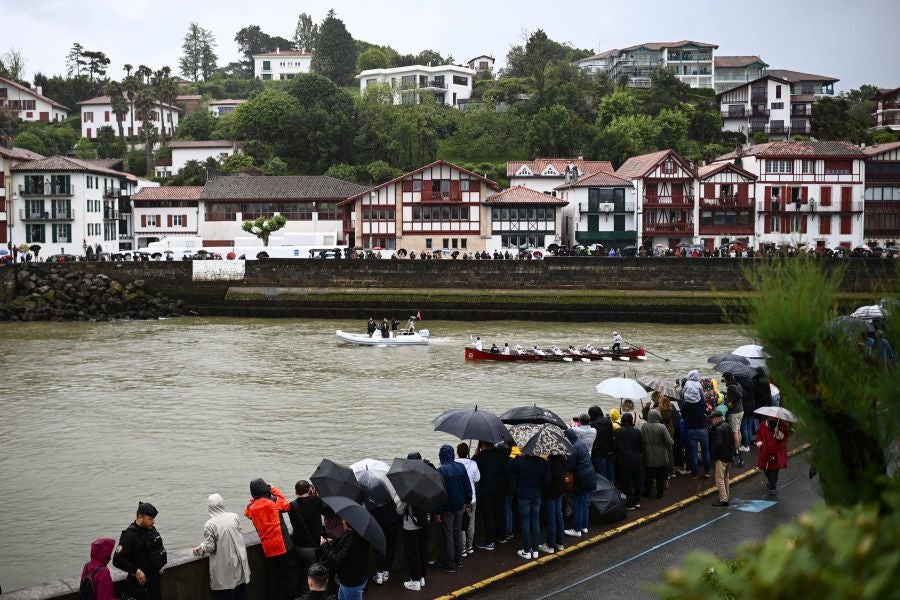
[97, 570]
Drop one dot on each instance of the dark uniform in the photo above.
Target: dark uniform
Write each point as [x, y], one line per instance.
[142, 549]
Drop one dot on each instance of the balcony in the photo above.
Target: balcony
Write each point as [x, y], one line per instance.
[726, 229]
[727, 202]
[442, 196]
[759, 99]
[758, 111]
[56, 215]
[889, 105]
[731, 113]
[668, 201]
[802, 129]
[801, 111]
[435, 85]
[595, 237]
[668, 228]
[111, 193]
[110, 214]
[51, 190]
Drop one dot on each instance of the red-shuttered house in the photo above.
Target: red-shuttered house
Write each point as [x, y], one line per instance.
[169, 211]
[664, 184]
[727, 206]
[809, 194]
[435, 207]
[882, 222]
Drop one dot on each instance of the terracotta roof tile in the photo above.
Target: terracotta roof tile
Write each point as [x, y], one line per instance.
[707, 171]
[523, 195]
[879, 148]
[169, 192]
[601, 178]
[19, 153]
[283, 53]
[281, 187]
[830, 148]
[538, 165]
[751, 151]
[64, 163]
[639, 166]
[23, 88]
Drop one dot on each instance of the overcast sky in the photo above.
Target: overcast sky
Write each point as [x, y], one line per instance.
[854, 41]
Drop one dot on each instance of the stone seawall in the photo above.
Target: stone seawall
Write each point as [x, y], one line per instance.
[572, 289]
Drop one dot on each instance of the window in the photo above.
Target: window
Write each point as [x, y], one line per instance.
[464, 185]
[221, 212]
[87, 117]
[808, 167]
[328, 211]
[838, 167]
[428, 243]
[179, 221]
[296, 211]
[779, 166]
[34, 233]
[257, 209]
[778, 91]
[152, 221]
[267, 76]
[777, 105]
[668, 166]
[267, 66]
[459, 80]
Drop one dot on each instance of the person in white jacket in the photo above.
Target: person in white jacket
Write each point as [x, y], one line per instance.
[223, 542]
[462, 451]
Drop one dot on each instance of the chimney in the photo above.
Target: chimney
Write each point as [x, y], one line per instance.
[277, 50]
[39, 90]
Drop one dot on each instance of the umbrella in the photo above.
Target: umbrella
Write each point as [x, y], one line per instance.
[3, 251]
[868, 312]
[471, 424]
[717, 358]
[735, 368]
[369, 472]
[622, 387]
[418, 483]
[522, 432]
[359, 519]
[776, 412]
[750, 351]
[532, 414]
[332, 479]
[547, 440]
[657, 384]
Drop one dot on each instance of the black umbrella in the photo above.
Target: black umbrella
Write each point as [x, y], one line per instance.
[717, 358]
[374, 489]
[548, 440]
[735, 368]
[532, 414]
[359, 519]
[332, 479]
[418, 483]
[472, 424]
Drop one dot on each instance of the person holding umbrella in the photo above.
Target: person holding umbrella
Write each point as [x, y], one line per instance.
[771, 439]
[459, 497]
[348, 555]
[415, 542]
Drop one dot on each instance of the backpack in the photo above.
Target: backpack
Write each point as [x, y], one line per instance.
[86, 589]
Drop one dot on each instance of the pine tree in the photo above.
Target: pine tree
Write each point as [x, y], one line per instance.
[307, 33]
[198, 59]
[336, 53]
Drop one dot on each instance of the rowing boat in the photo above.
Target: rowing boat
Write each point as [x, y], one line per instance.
[627, 354]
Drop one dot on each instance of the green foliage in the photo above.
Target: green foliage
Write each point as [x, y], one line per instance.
[47, 138]
[12, 65]
[373, 58]
[834, 121]
[192, 173]
[237, 163]
[226, 127]
[198, 58]
[343, 171]
[31, 141]
[485, 134]
[263, 227]
[84, 149]
[68, 91]
[673, 126]
[253, 40]
[198, 125]
[760, 138]
[264, 116]
[108, 145]
[379, 171]
[625, 137]
[617, 104]
[306, 35]
[555, 131]
[136, 162]
[336, 54]
[884, 136]
[274, 166]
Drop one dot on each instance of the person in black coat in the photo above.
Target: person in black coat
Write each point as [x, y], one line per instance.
[722, 451]
[348, 557]
[585, 482]
[141, 555]
[630, 460]
[490, 490]
[603, 454]
[551, 504]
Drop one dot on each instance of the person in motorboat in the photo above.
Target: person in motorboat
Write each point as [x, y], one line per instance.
[617, 342]
[519, 349]
[506, 348]
[371, 326]
[495, 349]
[477, 344]
[385, 328]
[537, 351]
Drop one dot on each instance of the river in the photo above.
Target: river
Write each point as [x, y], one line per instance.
[96, 416]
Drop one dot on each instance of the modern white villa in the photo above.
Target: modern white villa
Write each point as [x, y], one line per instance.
[449, 84]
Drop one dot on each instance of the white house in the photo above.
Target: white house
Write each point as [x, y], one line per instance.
[97, 112]
[598, 63]
[184, 151]
[547, 174]
[482, 63]
[10, 157]
[522, 217]
[167, 211]
[449, 84]
[732, 71]
[727, 206]
[30, 104]
[66, 205]
[221, 108]
[808, 193]
[692, 62]
[600, 210]
[281, 64]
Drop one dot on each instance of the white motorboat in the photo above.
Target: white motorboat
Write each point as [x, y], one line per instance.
[402, 337]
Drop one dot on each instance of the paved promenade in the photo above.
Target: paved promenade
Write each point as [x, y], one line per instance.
[628, 555]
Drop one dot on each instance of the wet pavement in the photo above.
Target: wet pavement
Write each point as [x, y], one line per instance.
[626, 556]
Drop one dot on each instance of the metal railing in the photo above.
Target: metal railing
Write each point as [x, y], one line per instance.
[668, 227]
[667, 201]
[55, 215]
[110, 214]
[727, 202]
[736, 113]
[756, 111]
[44, 190]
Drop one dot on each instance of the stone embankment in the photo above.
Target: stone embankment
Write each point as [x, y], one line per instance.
[63, 295]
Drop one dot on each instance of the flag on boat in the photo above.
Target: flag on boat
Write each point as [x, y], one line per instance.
[419, 315]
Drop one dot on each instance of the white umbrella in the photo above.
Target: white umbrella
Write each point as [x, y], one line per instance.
[750, 351]
[776, 412]
[377, 468]
[868, 312]
[622, 387]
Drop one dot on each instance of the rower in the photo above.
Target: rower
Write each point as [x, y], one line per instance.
[617, 342]
[520, 349]
[478, 343]
[573, 350]
[506, 348]
[495, 349]
[589, 349]
[537, 351]
[557, 351]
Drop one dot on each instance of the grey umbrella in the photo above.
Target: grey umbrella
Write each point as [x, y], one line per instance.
[332, 479]
[717, 358]
[472, 424]
[735, 368]
[359, 519]
[418, 483]
[532, 414]
[375, 491]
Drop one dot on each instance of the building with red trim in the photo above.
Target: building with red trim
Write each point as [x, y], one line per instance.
[882, 195]
[727, 206]
[887, 109]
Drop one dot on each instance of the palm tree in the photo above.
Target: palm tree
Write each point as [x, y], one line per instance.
[166, 91]
[144, 106]
[119, 103]
[130, 87]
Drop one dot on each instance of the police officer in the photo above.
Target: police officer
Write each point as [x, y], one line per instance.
[141, 554]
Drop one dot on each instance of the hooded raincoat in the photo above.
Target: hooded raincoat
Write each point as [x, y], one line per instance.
[223, 541]
[655, 441]
[97, 569]
[692, 391]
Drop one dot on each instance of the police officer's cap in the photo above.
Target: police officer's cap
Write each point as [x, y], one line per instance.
[145, 508]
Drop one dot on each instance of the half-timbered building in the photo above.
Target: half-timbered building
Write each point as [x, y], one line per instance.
[601, 210]
[882, 195]
[727, 206]
[524, 218]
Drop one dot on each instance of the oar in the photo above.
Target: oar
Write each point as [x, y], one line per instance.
[647, 351]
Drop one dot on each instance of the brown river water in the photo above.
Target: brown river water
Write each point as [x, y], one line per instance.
[96, 416]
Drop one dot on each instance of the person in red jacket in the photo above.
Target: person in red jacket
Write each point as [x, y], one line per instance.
[96, 569]
[771, 439]
[264, 510]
